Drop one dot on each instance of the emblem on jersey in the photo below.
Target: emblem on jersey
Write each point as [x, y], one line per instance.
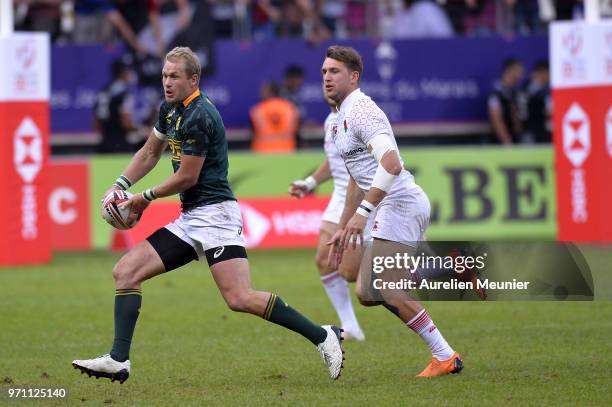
[175, 147]
[178, 123]
[345, 126]
[169, 116]
[334, 130]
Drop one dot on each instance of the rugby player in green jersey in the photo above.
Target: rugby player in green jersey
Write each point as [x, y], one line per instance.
[210, 223]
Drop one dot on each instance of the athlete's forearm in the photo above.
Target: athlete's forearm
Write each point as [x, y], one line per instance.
[392, 166]
[354, 195]
[323, 173]
[175, 184]
[145, 159]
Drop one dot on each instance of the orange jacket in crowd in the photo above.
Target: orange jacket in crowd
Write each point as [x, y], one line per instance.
[275, 124]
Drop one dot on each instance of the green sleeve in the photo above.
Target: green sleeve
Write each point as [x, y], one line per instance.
[162, 122]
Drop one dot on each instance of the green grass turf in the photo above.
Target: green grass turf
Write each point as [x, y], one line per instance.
[189, 349]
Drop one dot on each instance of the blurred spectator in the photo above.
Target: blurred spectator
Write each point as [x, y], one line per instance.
[167, 20]
[331, 13]
[291, 20]
[568, 9]
[503, 103]
[95, 20]
[266, 15]
[222, 12]
[539, 104]
[471, 17]
[315, 30]
[292, 83]
[140, 14]
[526, 16]
[39, 15]
[480, 17]
[421, 19]
[355, 17]
[275, 122]
[114, 112]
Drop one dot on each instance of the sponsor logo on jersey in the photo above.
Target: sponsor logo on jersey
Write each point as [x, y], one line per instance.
[352, 152]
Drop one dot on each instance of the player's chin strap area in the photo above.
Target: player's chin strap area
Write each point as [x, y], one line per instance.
[381, 144]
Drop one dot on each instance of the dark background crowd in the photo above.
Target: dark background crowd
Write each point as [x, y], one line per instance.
[150, 25]
[519, 105]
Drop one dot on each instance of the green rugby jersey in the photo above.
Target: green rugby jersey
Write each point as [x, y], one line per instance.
[195, 128]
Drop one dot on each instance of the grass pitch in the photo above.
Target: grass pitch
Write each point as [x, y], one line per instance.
[189, 349]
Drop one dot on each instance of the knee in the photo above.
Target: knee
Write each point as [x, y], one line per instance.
[348, 274]
[363, 298]
[321, 261]
[124, 274]
[361, 295]
[239, 301]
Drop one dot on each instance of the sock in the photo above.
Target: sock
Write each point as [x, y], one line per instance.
[280, 313]
[127, 307]
[425, 328]
[338, 292]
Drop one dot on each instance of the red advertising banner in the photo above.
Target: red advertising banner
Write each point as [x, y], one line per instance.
[268, 222]
[24, 222]
[581, 56]
[24, 156]
[68, 205]
[583, 151]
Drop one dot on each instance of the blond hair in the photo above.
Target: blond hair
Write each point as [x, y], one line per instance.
[192, 63]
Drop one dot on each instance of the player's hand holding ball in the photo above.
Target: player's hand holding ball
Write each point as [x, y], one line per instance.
[117, 210]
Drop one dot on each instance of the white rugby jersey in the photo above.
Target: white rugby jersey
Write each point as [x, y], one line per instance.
[336, 164]
[359, 121]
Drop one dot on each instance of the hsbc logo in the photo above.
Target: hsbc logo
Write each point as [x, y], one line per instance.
[28, 150]
[576, 135]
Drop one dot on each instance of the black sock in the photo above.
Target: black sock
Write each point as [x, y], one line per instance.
[127, 307]
[278, 312]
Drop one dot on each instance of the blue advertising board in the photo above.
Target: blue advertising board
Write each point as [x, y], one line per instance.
[414, 81]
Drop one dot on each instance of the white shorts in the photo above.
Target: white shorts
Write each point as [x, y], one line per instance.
[333, 213]
[210, 226]
[403, 220]
[334, 209]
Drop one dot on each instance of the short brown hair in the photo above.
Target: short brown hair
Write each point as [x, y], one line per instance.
[192, 63]
[348, 56]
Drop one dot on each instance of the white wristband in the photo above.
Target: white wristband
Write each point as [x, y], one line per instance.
[311, 183]
[365, 208]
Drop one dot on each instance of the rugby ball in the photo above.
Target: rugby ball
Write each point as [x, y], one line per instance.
[113, 214]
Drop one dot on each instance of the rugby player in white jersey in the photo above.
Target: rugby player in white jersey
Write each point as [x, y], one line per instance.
[334, 280]
[380, 188]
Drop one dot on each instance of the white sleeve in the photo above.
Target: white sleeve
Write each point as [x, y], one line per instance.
[159, 134]
[368, 120]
